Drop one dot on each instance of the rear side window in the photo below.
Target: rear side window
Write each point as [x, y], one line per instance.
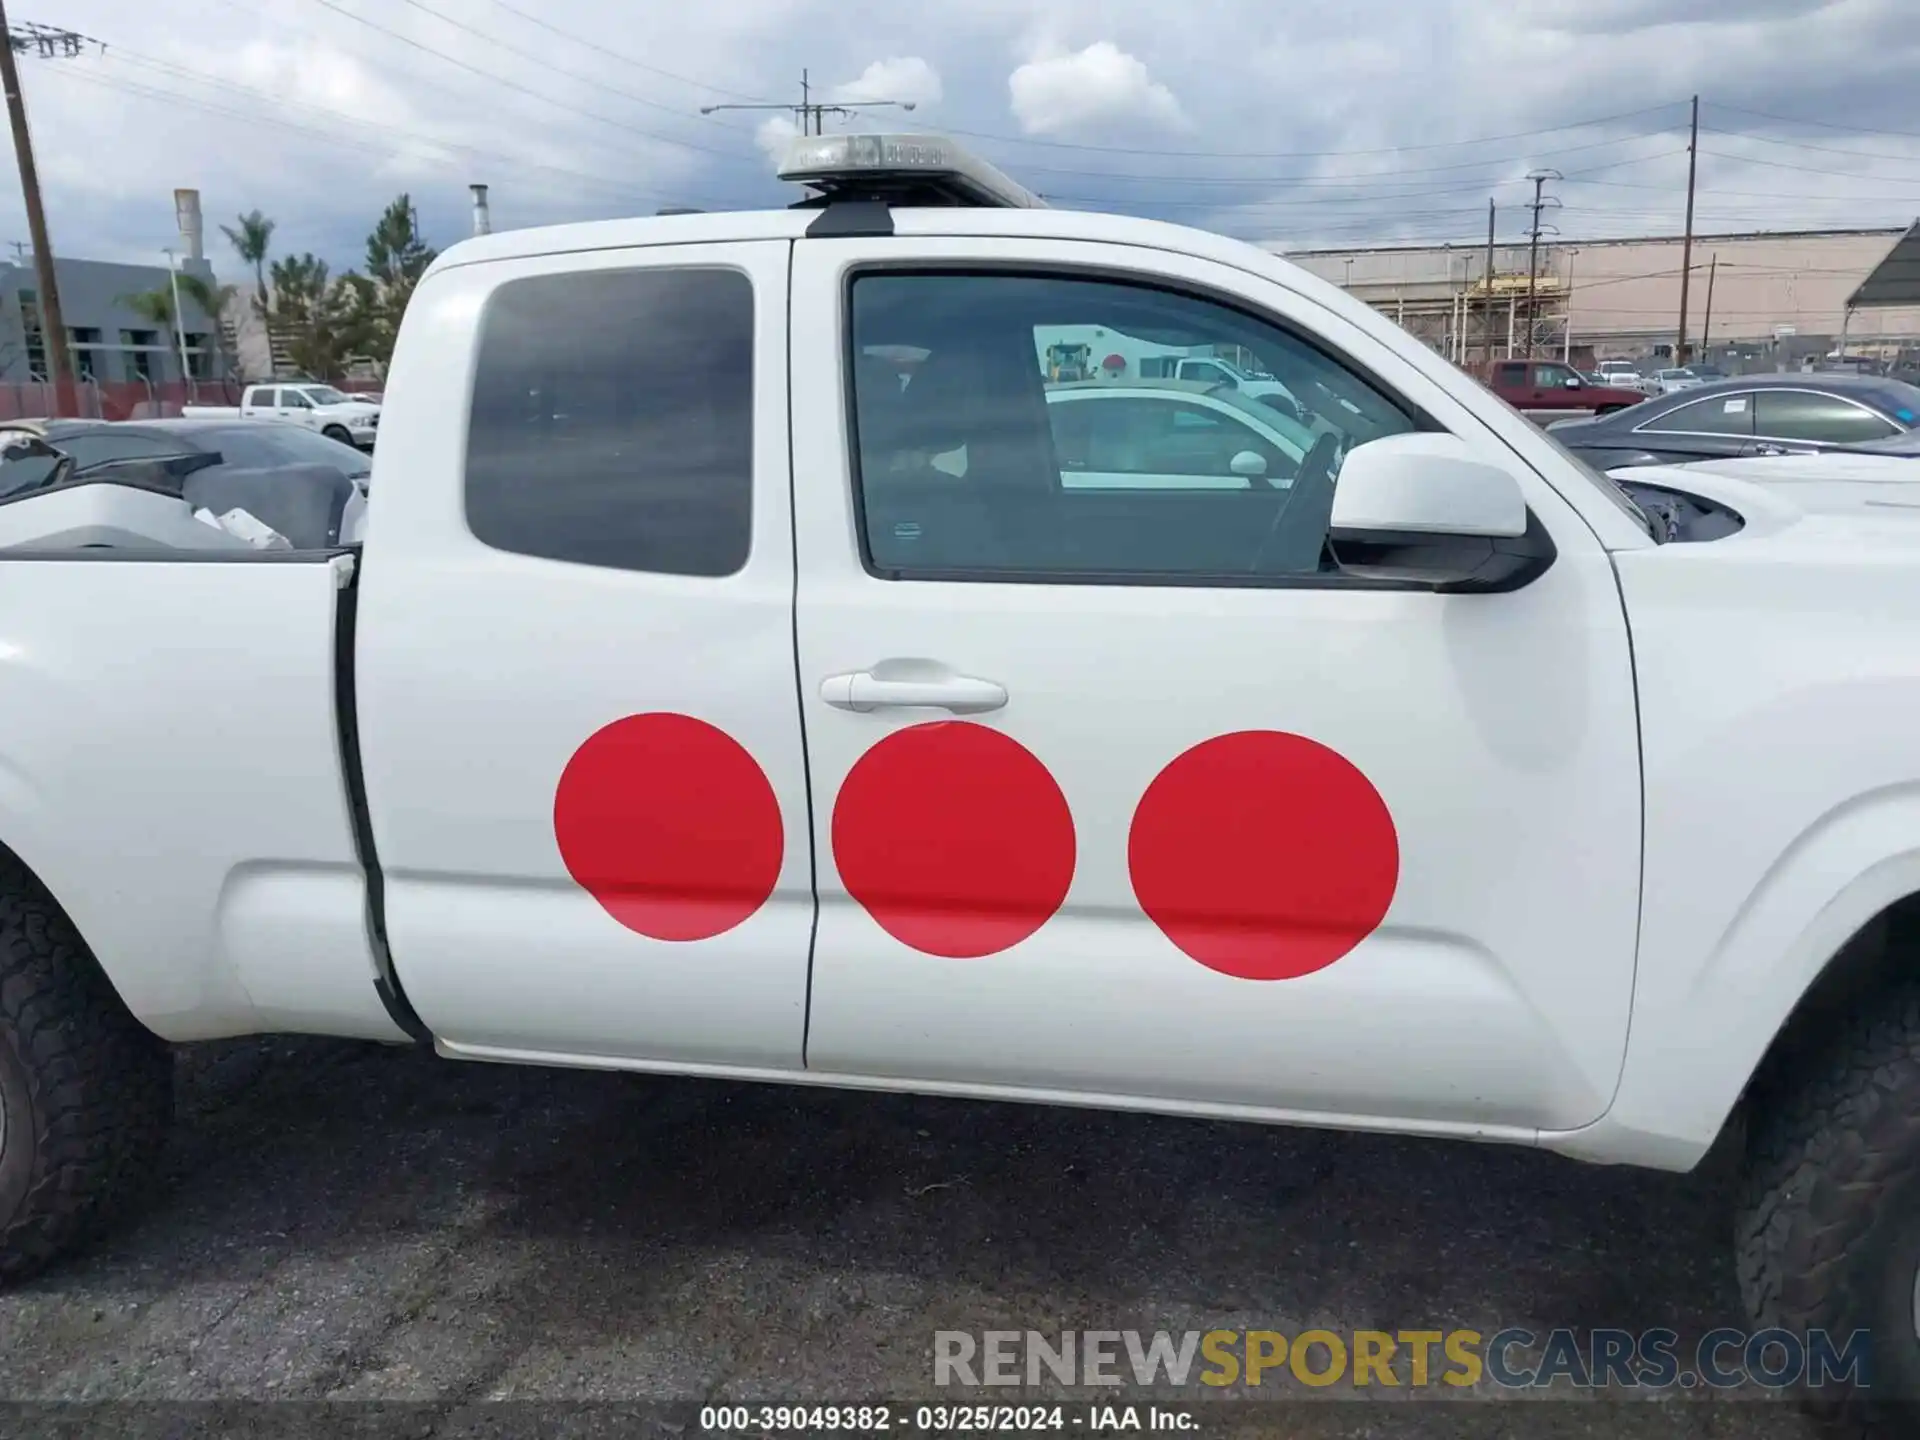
[262, 397]
[1825, 419]
[1717, 415]
[612, 420]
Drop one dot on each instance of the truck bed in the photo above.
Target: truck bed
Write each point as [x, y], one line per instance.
[171, 767]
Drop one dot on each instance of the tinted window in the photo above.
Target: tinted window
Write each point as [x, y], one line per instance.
[1716, 415]
[262, 446]
[263, 397]
[97, 449]
[1804, 415]
[971, 468]
[613, 420]
[1510, 374]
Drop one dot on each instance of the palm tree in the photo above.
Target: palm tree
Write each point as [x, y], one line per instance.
[212, 300]
[252, 240]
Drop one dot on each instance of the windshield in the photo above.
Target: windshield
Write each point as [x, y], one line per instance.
[26, 462]
[260, 447]
[326, 395]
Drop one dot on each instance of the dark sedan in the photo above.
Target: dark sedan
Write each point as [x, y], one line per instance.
[1748, 415]
[243, 445]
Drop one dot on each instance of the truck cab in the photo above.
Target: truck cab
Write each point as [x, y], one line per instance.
[1548, 388]
[333, 413]
[715, 692]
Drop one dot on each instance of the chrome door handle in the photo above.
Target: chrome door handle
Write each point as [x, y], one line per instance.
[862, 690]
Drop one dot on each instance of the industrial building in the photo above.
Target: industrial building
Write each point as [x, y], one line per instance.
[111, 343]
[1758, 300]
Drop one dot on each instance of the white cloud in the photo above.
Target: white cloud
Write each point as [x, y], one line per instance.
[1370, 119]
[906, 78]
[1100, 84]
[774, 134]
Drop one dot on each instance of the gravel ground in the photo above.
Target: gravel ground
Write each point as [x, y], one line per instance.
[357, 1223]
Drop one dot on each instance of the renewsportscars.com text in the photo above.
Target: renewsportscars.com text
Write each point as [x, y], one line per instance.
[1513, 1358]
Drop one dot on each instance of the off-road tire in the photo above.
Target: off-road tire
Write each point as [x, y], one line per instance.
[87, 1090]
[1829, 1217]
[340, 433]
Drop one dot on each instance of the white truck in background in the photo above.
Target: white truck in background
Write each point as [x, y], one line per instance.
[334, 413]
[715, 703]
[1071, 353]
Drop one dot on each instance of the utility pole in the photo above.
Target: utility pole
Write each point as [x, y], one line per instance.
[1487, 304]
[1686, 244]
[812, 114]
[48, 42]
[1706, 326]
[1541, 201]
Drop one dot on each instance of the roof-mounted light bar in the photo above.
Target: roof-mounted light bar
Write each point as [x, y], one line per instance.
[902, 170]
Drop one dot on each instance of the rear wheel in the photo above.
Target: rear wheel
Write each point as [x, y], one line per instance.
[1829, 1228]
[86, 1092]
[338, 432]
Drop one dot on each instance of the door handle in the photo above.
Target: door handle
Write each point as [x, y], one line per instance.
[862, 690]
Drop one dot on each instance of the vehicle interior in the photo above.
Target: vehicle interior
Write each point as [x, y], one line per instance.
[961, 471]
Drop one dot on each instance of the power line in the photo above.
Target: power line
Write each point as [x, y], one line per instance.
[174, 97]
[1822, 124]
[600, 49]
[1337, 178]
[1802, 145]
[501, 80]
[1314, 154]
[561, 70]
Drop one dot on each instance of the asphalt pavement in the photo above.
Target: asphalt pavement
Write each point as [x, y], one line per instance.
[359, 1223]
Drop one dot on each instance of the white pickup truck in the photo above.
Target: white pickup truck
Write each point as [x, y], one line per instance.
[687, 716]
[333, 413]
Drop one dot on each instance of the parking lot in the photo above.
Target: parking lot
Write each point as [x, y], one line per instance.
[359, 1223]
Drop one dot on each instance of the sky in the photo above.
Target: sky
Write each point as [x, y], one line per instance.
[1300, 125]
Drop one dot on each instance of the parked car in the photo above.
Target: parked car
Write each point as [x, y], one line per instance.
[1674, 379]
[1749, 415]
[1171, 434]
[680, 715]
[322, 408]
[1549, 388]
[252, 446]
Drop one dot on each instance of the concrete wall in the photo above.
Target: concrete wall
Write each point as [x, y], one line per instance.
[91, 293]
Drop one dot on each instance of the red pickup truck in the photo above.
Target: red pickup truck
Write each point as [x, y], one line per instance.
[1546, 387]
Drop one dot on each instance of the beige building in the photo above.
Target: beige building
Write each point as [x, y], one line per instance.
[1775, 297]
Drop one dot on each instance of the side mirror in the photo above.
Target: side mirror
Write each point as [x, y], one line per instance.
[1250, 463]
[1574, 382]
[1425, 509]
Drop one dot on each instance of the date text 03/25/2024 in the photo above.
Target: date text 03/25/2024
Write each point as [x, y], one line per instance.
[941, 1419]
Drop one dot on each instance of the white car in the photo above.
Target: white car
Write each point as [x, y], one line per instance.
[1171, 434]
[1669, 380]
[685, 718]
[333, 413]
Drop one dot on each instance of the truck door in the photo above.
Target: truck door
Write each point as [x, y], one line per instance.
[1130, 793]
[575, 660]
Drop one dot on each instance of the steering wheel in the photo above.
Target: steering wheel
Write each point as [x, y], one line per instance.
[1311, 493]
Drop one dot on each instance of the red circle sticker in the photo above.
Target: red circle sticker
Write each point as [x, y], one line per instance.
[1263, 855]
[955, 838]
[671, 825]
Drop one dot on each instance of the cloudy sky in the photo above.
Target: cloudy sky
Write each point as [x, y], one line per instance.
[1368, 121]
